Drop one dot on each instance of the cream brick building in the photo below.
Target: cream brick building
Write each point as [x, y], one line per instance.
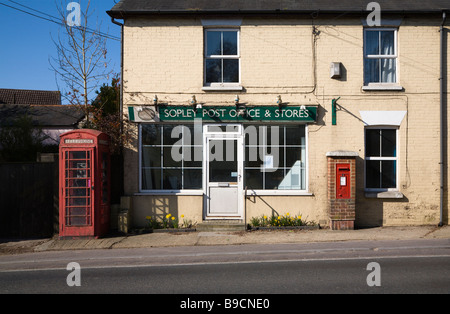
[387, 95]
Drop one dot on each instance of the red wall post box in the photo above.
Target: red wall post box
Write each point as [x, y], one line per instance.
[342, 189]
[84, 183]
[343, 186]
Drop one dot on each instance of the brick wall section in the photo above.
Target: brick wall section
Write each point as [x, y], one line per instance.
[342, 211]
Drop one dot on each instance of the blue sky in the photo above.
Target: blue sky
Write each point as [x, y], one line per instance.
[26, 43]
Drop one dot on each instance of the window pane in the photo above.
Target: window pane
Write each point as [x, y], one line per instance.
[372, 174]
[172, 158]
[295, 135]
[294, 179]
[252, 157]
[371, 71]
[388, 70]
[388, 179]
[223, 163]
[213, 43]
[373, 143]
[151, 179]
[274, 179]
[193, 156]
[151, 134]
[387, 43]
[252, 135]
[172, 179]
[230, 70]
[214, 71]
[372, 43]
[230, 43]
[389, 143]
[172, 134]
[293, 156]
[274, 135]
[277, 154]
[254, 179]
[193, 179]
[78, 155]
[151, 156]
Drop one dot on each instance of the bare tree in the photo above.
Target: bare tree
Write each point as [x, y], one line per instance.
[81, 62]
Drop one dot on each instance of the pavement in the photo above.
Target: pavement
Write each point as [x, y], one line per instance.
[166, 239]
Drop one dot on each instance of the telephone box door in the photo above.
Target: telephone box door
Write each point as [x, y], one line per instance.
[78, 192]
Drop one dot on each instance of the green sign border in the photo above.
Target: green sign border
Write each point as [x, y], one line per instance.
[239, 114]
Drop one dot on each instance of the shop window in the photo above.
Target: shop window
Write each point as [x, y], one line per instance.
[381, 159]
[169, 159]
[275, 157]
[380, 56]
[221, 57]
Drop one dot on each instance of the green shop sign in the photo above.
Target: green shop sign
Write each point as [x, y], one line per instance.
[225, 114]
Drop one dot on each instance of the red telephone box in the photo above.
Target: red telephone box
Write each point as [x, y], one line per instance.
[343, 185]
[84, 182]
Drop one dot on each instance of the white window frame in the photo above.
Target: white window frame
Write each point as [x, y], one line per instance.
[382, 85]
[396, 159]
[303, 192]
[217, 85]
[160, 192]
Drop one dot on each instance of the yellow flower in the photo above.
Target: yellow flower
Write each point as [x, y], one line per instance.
[265, 217]
[279, 217]
[168, 216]
[173, 218]
[182, 216]
[287, 214]
[148, 218]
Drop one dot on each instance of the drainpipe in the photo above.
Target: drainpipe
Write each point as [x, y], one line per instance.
[121, 73]
[442, 112]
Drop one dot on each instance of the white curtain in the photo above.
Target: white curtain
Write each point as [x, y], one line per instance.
[387, 65]
[380, 70]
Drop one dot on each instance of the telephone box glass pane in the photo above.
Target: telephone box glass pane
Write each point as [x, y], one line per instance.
[104, 178]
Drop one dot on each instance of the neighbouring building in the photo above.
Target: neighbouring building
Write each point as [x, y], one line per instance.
[252, 108]
[45, 110]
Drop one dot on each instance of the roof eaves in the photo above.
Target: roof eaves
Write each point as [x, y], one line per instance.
[121, 14]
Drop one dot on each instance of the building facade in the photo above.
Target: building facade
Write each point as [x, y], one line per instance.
[239, 108]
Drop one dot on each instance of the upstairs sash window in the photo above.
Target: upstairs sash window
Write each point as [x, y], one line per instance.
[380, 56]
[221, 56]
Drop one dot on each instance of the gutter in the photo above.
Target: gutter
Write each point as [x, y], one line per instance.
[121, 73]
[442, 112]
[120, 13]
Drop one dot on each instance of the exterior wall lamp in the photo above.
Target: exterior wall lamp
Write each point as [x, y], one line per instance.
[279, 102]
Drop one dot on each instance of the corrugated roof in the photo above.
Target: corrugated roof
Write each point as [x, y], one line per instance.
[127, 7]
[29, 97]
[44, 116]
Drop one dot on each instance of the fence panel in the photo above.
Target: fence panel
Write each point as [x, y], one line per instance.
[28, 196]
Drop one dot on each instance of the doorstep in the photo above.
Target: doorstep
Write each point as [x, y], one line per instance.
[221, 225]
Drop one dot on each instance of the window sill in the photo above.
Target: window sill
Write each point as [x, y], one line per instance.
[382, 87]
[384, 195]
[278, 193]
[169, 192]
[222, 88]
